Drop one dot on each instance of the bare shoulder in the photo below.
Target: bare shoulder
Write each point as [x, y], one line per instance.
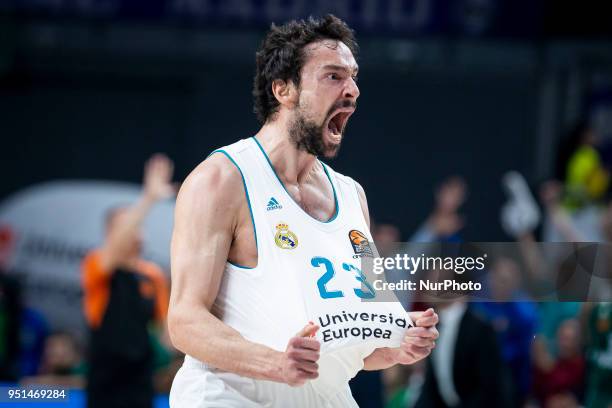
[207, 211]
[214, 181]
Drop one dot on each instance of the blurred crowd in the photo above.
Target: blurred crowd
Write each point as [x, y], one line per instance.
[515, 351]
[126, 358]
[510, 352]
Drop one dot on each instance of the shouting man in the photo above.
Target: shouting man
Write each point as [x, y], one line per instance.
[268, 299]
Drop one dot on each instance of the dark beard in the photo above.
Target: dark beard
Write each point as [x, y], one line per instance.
[308, 136]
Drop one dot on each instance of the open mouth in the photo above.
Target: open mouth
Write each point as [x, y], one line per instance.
[337, 123]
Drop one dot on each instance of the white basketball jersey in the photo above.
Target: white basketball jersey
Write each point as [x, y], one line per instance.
[307, 270]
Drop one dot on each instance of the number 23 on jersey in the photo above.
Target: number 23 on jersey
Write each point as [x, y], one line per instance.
[329, 273]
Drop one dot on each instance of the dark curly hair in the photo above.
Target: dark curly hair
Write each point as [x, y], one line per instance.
[281, 56]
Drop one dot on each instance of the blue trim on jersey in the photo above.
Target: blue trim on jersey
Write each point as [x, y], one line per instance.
[334, 190]
[336, 206]
[246, 191]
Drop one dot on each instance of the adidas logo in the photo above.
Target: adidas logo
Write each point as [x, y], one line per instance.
[273, 205]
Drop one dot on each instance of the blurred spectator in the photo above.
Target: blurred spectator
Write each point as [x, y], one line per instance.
[513, 317]
[595, 227]
[367, 386]
[558, 217]
[551, 316]
[547, 265]
[166, 361]
[606, 222]
[386, 237]
[442, 225]
[164, 373]
[541, 272]
[10, 311]
[403, 386]
[599, 354]
[34, 331]
[465, 369]
[367, 389]
[580, 166]
[123, 294]
[445, 222]
[562, 375]
[562, 400]
[62, 363]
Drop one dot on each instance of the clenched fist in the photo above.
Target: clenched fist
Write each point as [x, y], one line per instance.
[299, 361]
[419, 340]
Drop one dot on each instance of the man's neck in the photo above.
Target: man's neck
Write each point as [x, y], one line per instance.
[292, 165]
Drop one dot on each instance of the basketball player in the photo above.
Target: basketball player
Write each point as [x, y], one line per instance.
[267, 237]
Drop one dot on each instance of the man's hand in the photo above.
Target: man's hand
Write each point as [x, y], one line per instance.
[419, 340]
[158, 178]
[299, 362]
[416, 345]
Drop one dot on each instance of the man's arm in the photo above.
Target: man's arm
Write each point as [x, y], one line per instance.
[418, 341]
[207, 213]
[157, 185]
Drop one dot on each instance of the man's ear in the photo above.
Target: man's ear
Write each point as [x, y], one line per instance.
[285, 92]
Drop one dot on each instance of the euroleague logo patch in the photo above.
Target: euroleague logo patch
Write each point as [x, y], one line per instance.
[284, 238]
[360, 243]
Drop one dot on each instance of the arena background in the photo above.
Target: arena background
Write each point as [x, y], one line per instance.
[90, 89]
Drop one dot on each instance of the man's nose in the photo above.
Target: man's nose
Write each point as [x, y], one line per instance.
[351, 90]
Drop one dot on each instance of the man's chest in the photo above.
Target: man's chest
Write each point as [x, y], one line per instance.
[316, 199]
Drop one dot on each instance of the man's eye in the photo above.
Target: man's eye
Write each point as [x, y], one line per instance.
[355, 78]
[333, 76]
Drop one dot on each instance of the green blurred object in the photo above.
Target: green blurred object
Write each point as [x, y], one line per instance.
[599, 382]
[587, 180]
[161, 356]
[399, 399]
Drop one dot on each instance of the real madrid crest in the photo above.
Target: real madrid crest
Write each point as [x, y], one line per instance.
[284, 238]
